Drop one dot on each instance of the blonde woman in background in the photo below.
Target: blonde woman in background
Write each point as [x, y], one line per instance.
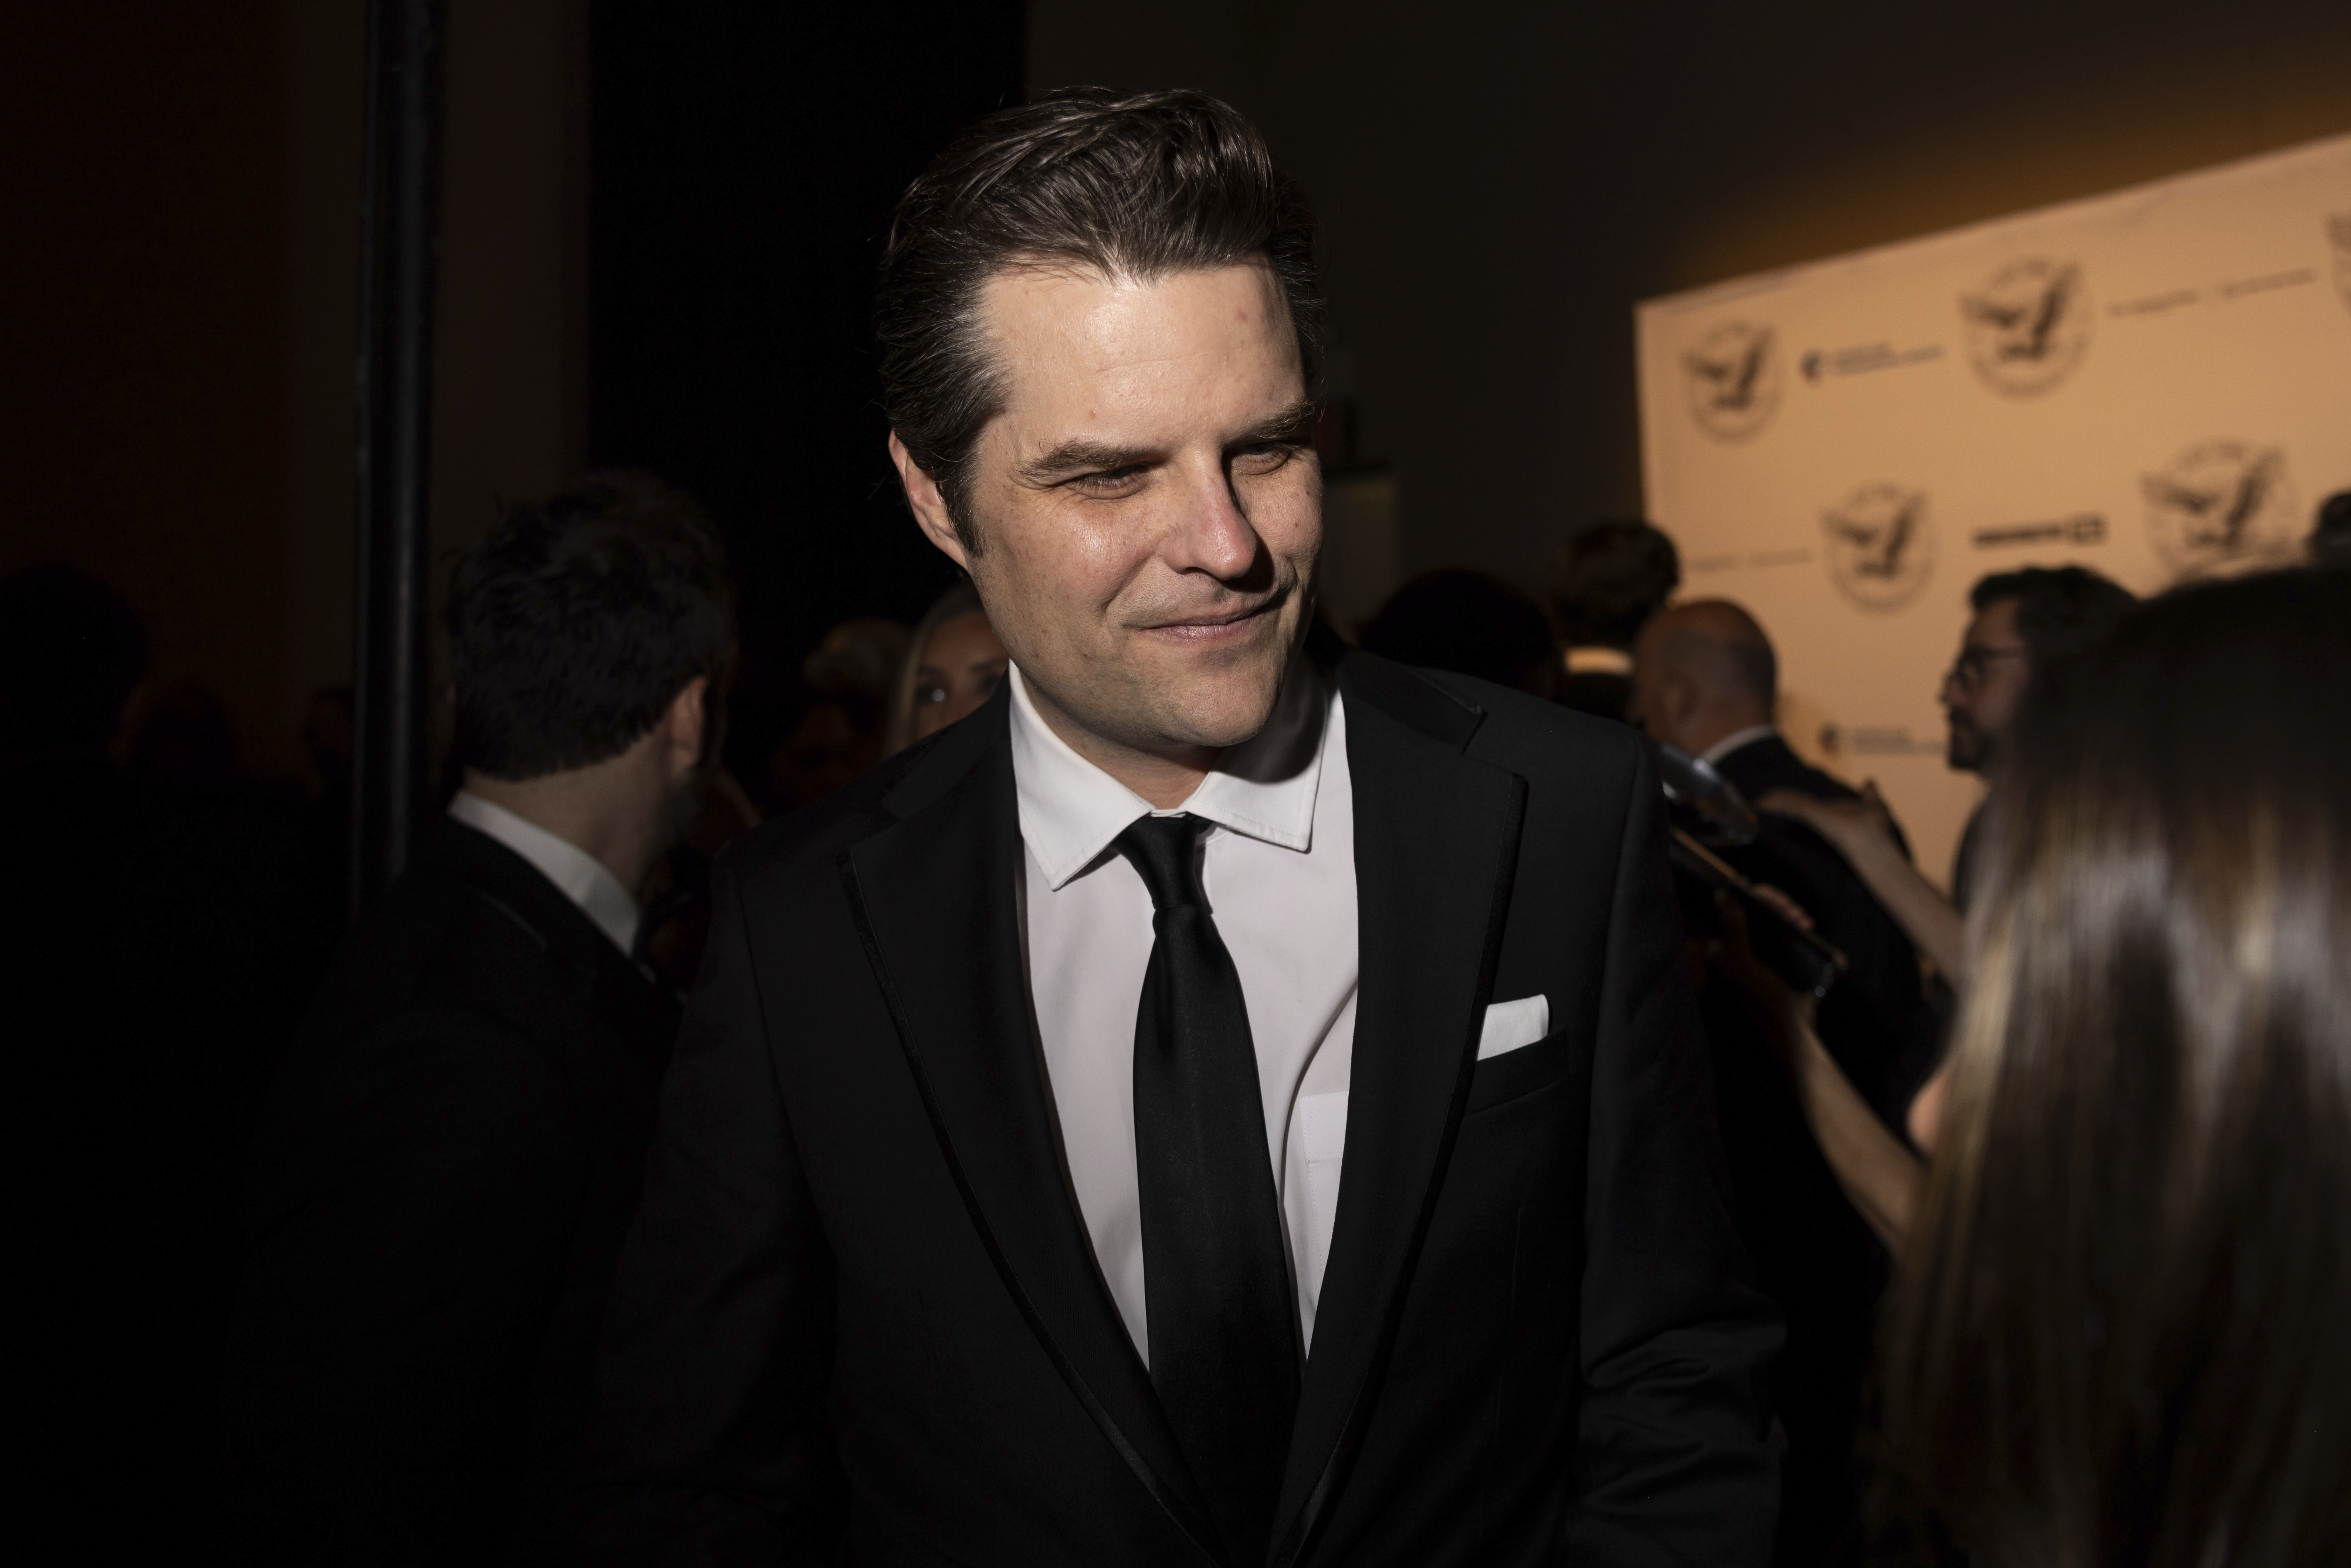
[953, 665]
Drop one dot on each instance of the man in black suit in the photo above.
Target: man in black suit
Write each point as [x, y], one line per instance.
[451, 1153]
[1203, 1107]
[1706, 682]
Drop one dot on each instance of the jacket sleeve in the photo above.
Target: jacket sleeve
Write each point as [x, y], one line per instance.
[377, 1393]
[1677, 1457]
[708, 1443]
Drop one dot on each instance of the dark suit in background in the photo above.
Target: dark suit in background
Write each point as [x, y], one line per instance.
[1813, 1253]
[858, 1247]
[1876, 1023]
[438, 1191]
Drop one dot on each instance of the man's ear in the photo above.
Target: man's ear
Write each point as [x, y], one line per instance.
[684, 729]
[930, 508]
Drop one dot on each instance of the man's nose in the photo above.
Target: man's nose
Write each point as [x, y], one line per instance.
[1214, 535]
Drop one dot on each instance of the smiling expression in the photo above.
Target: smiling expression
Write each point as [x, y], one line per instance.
[1147, 505]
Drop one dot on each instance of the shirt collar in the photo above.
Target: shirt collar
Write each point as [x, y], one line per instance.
[1735, 739]
[1263, 788]
[1598, 661]
[577, 874]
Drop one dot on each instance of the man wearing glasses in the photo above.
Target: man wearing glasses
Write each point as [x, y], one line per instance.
[2024, 622]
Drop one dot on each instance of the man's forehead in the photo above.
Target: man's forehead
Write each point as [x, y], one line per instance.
[1996, 621]
[1058, 331]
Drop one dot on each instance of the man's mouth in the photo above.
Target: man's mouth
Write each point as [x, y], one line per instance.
[1218, 625]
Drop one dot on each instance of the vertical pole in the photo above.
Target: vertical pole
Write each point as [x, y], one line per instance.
[399, 244]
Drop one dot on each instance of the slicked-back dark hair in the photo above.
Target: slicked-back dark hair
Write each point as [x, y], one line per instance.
[1130, 185]
[576, 621]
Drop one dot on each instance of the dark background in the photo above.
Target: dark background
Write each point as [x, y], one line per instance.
[746, 159]
[659, 228]
[659, 224]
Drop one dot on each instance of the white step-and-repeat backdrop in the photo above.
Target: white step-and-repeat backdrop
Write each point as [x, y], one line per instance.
[2155, 384]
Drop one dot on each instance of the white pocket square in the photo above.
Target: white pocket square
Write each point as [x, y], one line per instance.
[1510, 1025]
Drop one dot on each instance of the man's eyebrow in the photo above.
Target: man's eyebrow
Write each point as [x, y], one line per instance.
[1294, 423]
[1077, 457]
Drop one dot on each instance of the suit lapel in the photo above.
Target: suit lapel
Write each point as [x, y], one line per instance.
[1435, 841]
[934, 894]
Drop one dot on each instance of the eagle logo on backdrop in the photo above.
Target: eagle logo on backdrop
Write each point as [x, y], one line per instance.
[1881, 545]
[2029, 326]
[2221, 504]
[1734, 380]
[2338, 229]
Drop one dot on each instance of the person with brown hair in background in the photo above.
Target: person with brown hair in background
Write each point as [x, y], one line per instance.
[2116, 1337]
[2120, 1337]
[954, 663]
[452, 1151]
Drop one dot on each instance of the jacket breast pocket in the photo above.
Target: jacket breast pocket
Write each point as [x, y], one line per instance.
[1503, 1080]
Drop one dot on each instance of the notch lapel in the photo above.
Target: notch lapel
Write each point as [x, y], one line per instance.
[1437, 838]
[933, 895]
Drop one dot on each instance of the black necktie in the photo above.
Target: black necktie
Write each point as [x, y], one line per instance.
[1223, 1324]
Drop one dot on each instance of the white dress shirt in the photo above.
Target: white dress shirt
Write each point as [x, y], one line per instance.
[1279, 871]
[577, 874]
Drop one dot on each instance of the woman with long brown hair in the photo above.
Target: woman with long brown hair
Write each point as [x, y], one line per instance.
[2123, 1332]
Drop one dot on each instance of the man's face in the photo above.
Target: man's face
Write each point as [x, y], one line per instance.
[1147, 508]
[1985, 687]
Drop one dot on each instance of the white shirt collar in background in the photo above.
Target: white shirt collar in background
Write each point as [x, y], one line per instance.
[1598, 661]
[1264, 788]
[577, 874]
[1735, 739]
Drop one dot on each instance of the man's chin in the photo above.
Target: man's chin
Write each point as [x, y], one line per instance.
[1224, 702]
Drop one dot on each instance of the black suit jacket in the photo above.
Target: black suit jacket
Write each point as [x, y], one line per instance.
[438, 1190]
[859, 1248]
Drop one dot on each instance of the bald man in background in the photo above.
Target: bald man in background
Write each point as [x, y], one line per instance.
[1705, 681]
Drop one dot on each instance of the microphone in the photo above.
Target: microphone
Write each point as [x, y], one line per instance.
[1802, 958]
[1693, 781]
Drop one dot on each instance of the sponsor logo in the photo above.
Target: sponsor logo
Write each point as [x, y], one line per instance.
[2269, 282]
[1734, 381]
[1881, 545]
[2029, 326]
[2084, 529]
[1891, 740]
[2218, 503]
[1862, 359]
[2338, 229]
